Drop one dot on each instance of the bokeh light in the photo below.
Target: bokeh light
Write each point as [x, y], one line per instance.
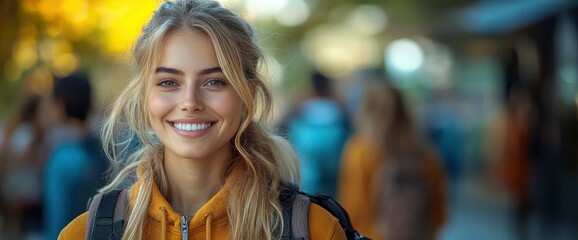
[339, 51]
[294, 13]
[404, 56]
[264, 8]
[368, 19]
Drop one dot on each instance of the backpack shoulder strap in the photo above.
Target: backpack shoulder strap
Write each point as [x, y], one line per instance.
[286, 198]
[333, 207]
[300, 218]
[106, 215]
[295, 213]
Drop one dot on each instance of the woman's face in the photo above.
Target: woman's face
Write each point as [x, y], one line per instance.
[193, 108]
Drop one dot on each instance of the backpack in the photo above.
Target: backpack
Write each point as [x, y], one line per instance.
[404, 200]
[295, 212]
[107, 212]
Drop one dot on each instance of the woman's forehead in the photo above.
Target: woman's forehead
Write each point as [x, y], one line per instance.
[189, 51]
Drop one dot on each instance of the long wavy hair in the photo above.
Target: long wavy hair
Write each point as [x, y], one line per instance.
[129, 143]
[384, 118]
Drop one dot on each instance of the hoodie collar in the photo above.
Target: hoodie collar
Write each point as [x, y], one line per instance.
[216, 207]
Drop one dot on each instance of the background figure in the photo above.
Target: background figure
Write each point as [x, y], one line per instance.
[517, 167]
[20, 170]
[318, 131]
[509, 149]
[76, 165]
[445, 132]
[386, 168]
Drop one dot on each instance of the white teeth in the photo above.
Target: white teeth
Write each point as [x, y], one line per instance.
[192, 126]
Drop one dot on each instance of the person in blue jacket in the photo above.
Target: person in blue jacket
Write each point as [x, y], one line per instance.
[76, 164]
[318, 132]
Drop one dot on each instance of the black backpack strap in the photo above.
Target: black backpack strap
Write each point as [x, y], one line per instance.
[333, 207]
[295, 213]
[106, 215]
[120, 212]
[286, 198]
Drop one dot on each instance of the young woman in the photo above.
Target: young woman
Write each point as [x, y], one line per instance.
[391, 183]
[206, 165]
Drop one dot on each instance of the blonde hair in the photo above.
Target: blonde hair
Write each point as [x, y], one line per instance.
[256, 212]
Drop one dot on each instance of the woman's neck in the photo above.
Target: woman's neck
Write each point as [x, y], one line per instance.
[193, 182]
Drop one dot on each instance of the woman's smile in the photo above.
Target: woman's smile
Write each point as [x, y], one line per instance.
[192, 126]
[192, 129]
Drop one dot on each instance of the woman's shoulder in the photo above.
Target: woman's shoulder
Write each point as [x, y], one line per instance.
[323, 225]
[75, 229]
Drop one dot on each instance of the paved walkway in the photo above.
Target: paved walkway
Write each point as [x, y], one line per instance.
[482, 213]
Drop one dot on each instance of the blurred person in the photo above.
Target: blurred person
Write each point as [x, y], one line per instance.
[2, 132]
[391, 184]
[516, 163]
[207, 167]
[318, 132]
[355, 88]
[21, 168]
[445, 132]
[509, 152]
[2, 167]
[76, 165]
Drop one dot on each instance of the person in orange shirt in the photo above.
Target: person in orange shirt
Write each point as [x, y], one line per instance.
[206, 164]
[509, 153]
[385, 141]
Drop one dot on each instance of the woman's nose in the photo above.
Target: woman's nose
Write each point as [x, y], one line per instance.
[192, 100]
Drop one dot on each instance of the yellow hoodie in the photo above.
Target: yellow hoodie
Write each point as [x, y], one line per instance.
[210, 222]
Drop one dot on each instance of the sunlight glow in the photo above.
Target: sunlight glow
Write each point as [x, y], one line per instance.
[264, 8]
[368, 19]
[294, 13]
[339, 51]
[404, 55]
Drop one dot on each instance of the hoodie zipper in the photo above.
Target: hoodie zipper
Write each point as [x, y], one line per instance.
[185, 227]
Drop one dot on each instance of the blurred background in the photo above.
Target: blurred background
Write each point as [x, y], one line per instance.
[492, 86]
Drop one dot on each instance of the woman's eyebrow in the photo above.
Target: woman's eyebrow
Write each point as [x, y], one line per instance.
[210, 70]
[175, 71]
[169, 70]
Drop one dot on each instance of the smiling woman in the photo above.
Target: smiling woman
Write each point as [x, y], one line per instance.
[206, 166]
[194, 110]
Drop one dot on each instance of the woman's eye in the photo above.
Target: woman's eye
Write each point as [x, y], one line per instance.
[167, 83]
[215, 83]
